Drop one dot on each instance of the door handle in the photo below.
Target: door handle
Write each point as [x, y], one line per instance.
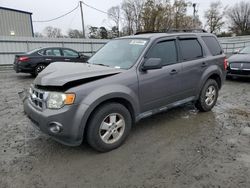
[173, 72]
[66, 59]
[203, 64]
[48, 59]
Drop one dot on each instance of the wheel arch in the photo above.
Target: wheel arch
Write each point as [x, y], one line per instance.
[121, 100]
[212, 73]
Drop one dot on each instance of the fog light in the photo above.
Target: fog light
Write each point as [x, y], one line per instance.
[55, 127]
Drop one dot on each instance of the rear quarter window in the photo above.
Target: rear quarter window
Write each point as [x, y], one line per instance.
[213, 45]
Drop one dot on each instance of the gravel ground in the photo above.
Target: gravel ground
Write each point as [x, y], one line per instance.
[179, 148]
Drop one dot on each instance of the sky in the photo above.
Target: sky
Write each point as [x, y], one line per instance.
[49, 9]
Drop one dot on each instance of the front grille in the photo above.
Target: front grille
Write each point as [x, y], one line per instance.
[37, 98]
[240, 66]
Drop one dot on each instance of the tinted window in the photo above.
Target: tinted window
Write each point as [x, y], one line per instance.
[212, 45]
[190, 49]
[70, 53]
[53, 52]
[166, 51]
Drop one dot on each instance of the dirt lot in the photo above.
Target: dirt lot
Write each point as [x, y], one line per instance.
[179, 148]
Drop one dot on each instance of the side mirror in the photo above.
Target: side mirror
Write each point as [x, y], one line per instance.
[152, 63]
[236, 51]
[80, 55]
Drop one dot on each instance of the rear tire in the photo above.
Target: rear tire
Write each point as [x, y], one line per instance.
[208, 96]
[39, 68]
[108, 127]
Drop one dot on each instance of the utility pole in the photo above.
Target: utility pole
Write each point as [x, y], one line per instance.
[194, 15]
[83, 29]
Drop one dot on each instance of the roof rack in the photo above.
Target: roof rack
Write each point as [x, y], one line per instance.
[187, 30]
[174, 31]
[146, 32]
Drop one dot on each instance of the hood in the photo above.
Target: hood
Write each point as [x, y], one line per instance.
[61, 73]
[239, 58]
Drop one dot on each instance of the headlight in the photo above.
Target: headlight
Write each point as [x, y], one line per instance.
[57, 100]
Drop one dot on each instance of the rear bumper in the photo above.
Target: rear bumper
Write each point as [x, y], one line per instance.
[70, 117]
[18, 68]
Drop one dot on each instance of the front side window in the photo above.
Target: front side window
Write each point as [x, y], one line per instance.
[190, 49]
[166, 50]
[69, 53]
[119, 53]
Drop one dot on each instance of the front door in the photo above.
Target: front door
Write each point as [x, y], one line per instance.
[71, 56]
[160, 87]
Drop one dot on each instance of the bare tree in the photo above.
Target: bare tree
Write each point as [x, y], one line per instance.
[129, 16]
[214, 17]
[138, 8]
[38, 34]
[239, 16]
[75, 33]
[53, 32]
[155, 14]
[114, 14]
[179, 12]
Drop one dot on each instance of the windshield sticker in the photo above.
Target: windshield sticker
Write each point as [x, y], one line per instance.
[138, 42]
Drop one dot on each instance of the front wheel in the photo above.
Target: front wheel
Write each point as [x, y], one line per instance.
[208, 96]
[109, 126]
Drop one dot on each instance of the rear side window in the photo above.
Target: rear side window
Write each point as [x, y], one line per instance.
[41, 52]
[190, 49]
[212, 45]
[165, 50]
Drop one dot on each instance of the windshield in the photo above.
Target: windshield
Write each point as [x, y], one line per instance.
[120, 53]
[245, 50]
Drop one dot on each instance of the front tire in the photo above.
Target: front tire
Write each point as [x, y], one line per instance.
[108, 127]
[208, 96]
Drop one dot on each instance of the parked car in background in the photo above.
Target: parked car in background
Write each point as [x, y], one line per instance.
[239, 64]
[35, 61]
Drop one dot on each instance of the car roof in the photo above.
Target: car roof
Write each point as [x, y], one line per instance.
[160, 35]
[43, 48]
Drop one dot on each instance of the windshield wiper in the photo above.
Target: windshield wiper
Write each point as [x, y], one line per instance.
[101, 64]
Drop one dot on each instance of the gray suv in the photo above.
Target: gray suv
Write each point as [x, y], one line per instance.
[128, 79]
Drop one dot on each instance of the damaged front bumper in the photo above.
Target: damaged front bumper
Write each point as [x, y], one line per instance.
[64, 125]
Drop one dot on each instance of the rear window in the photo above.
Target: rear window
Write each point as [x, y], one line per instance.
[212, 45]
[190, 49]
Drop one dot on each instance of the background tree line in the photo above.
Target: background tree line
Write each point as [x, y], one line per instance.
[133, 16]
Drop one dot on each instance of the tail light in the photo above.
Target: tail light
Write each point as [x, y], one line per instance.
[225, 63]
[23, 59]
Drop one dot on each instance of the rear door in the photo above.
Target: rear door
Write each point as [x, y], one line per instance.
[193, 64]
[160, 87]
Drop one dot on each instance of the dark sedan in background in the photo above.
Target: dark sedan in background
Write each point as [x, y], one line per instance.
[36, 60]
[239, 64]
